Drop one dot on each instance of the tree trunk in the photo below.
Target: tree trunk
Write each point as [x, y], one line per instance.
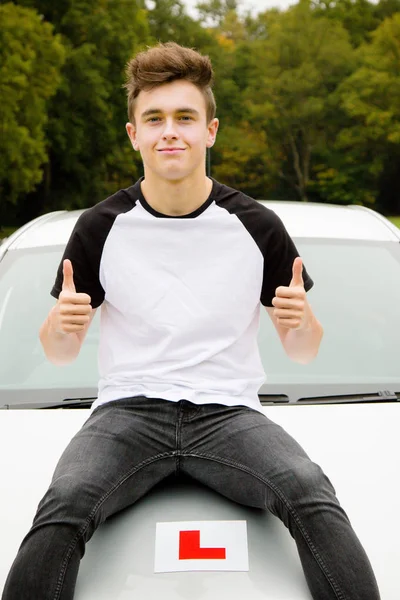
[300, 174]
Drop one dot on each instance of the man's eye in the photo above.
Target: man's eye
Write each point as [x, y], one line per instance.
[153, 119]
[186, 118]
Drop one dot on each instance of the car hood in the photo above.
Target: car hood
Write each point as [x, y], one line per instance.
[357, 446]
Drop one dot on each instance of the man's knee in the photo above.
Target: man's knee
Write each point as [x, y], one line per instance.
[304, 482]
[309, 480]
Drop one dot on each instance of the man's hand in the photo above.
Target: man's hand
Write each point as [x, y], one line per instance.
[291, 306]
[73, 311]
[299, 330]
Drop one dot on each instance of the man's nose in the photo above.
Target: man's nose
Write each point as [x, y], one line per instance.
[170, 130]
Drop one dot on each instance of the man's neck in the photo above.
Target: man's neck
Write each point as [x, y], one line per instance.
[176, 198]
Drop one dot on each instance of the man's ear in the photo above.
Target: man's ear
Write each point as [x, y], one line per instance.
[131, 131]
[212, 132]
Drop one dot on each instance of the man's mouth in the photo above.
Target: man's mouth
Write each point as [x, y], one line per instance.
[171, 150]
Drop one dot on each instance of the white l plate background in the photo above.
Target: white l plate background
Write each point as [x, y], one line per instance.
[231, 535]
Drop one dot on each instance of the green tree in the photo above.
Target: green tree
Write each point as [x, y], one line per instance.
[169, 21]
[30, 60]
[370, 143]
[386, 8]
[292, 75]
[245, 159]
[358, 17]
[89, 151]
[214, 12]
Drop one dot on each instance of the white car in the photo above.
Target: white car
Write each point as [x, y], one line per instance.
[343, 408]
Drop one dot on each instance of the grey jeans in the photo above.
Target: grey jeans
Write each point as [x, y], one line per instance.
[128, 446]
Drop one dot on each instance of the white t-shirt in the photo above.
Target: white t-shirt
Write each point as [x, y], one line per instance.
[180, 296]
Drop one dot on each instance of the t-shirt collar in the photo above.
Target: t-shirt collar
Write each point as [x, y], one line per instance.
[137, 190]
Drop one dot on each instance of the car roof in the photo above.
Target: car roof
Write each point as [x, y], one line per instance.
[312, 219]
[302, 220]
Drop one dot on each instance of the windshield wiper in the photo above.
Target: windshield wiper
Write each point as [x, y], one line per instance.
[273, 399]
[66, 403]
[380, 396]
[72, 403]
[332, 398]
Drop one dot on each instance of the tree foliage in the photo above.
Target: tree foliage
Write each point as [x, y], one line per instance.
[87, 149]
[370, 97]
[30, 61]
[297, 69]
[308, 98]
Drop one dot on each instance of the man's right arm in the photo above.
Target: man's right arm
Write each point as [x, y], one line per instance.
[66, 325]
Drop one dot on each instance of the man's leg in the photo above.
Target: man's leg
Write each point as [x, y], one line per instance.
[248, 458]
[121, 452]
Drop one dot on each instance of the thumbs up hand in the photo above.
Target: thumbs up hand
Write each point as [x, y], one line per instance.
[72, 311]
[290, 302]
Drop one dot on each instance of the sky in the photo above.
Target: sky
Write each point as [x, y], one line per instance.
[255, 5]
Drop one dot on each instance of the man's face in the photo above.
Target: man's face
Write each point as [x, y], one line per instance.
[171, 130]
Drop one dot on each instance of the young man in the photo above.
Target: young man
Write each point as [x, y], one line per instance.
[180, 265]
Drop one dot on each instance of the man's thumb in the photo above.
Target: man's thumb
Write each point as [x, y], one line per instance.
[68, 283]
[297, 278]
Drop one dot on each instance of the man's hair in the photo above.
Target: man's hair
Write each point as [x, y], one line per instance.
[165, 63]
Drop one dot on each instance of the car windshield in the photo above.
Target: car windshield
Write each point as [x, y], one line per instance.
[356, 297]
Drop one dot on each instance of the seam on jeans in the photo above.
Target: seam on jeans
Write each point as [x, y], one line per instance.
[83, 529]
[320, 561]
[178, 436]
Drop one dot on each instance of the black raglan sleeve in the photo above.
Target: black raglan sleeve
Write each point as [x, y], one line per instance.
[279, 252]
[84, 249]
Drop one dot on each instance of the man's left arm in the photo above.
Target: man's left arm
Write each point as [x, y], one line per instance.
[299, 330]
